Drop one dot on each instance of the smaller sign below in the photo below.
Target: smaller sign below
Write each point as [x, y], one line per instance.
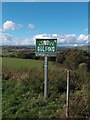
[46, 47]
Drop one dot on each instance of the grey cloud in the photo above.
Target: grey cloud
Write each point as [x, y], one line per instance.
[62, 40]
[6, 39]
[10, 25]
[68, 39]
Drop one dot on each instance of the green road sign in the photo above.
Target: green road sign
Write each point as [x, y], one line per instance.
[46, 47]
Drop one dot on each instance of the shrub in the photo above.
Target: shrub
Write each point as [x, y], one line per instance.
[83, 66]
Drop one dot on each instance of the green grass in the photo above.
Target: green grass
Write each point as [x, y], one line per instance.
[16, 63]
[22, 90]
[21, 63]
[22, 100]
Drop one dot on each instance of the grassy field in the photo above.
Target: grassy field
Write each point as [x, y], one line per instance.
[18, 64]
[23, 87]
[30, 84]
[21, 63]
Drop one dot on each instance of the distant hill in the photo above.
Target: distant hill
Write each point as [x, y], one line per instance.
[86, 47]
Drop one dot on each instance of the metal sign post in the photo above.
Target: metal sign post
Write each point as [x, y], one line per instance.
[46, 78]
[46, 48]
[68, 94]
